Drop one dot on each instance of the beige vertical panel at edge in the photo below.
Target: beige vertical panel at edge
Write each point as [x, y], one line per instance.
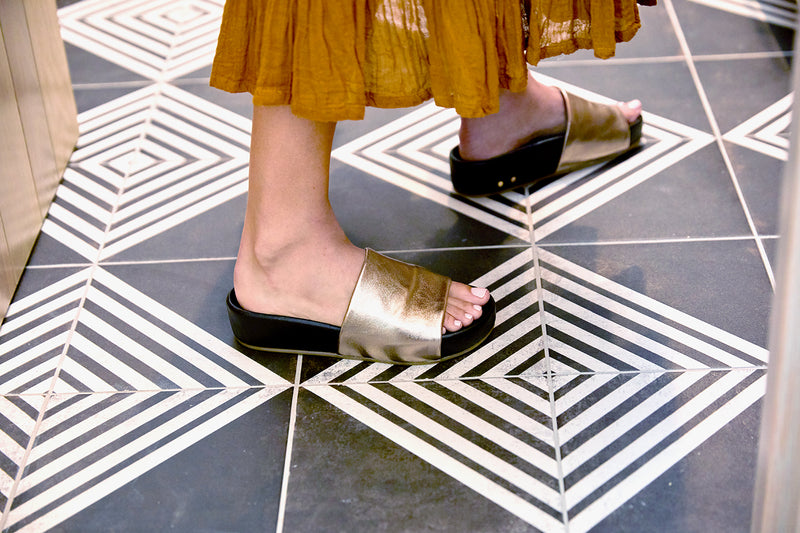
[56, 89]
[7, 279]
[18, 199]
[25, 77]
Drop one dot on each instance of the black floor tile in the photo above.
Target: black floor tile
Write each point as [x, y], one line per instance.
[761, 180]
[385, 216]
[196, 292]
[721, 283]
[672, 204]
[87, 68]
[210, 234]
[240, 103]
[181, 461]
[716, 30]
[740, 89]
[709, 490]
[347, 477]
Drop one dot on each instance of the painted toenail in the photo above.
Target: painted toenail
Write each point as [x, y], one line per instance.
[457, 323]
[444, 330]
[477, 307]
[468, 316]
[480, 293]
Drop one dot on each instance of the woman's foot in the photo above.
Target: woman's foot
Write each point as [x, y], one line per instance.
[539, 110]
[314, 279]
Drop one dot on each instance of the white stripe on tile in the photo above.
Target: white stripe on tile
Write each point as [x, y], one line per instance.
[87, 380]
[462, 446]
[450, 466]
[608, 502]
[633, 451]
[198, 335]
[77, 245]
[519, 393]
[590, 384]
[625, 423]
[602, 406]
[610, 327]
[17, 417]
[494, 346]
[126, 475]
[116, 366]
[83, 423]
[670, 313]
[501, 410]
[72, 456]
[483, 428]
[37, 332]
[157, 362]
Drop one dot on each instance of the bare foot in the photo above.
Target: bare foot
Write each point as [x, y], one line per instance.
[315, 279]
[539, 110]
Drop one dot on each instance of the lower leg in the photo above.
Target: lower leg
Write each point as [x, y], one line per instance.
[289, 227]
[294, 258]
[538, 110]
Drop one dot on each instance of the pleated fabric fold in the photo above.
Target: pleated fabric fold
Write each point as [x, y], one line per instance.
[329, 59]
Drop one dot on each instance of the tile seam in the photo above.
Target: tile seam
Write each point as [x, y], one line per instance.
[718, 137]
[287, 464]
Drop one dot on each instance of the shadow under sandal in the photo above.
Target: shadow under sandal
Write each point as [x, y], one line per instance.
[395, 316]
[595, 132]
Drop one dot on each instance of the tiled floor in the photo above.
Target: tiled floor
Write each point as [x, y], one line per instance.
[620, 391]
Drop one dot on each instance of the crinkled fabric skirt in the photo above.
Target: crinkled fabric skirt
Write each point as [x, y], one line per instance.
[329, 59]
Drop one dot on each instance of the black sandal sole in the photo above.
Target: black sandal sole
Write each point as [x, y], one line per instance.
[532, 163]
[283, 334]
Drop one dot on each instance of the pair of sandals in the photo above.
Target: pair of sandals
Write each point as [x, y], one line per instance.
[397, 310]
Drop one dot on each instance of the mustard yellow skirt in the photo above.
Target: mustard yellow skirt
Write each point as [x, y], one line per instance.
[329, 59]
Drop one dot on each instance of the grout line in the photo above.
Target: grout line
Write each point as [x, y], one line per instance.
[113, 85]
[457, 248]
[537, 269]
[718, 136]
[593, 62]
[674, 240]
[659, 241]
[788, 54]
[661, 60]
[487, 378]
[43, 409]
[287, 465]
[94, 265]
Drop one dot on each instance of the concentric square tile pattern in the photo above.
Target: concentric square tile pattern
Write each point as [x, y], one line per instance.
[620, 390]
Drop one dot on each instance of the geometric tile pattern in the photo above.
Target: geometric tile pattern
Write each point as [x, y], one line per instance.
[412, 153]
[625, 433]
[159, 39]
[776, 12]
[153, 397]
[766, 132]
[625, 407]
[142, 168]
[585, 394]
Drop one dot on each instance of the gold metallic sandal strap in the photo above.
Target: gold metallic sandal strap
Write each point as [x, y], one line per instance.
[594, 131]
[396, 313]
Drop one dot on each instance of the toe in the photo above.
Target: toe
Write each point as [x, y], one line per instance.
[469, 295]
[451, 323]
[464, 305]
[631, 109]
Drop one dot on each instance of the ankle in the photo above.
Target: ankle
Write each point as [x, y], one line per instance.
[539, 110]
